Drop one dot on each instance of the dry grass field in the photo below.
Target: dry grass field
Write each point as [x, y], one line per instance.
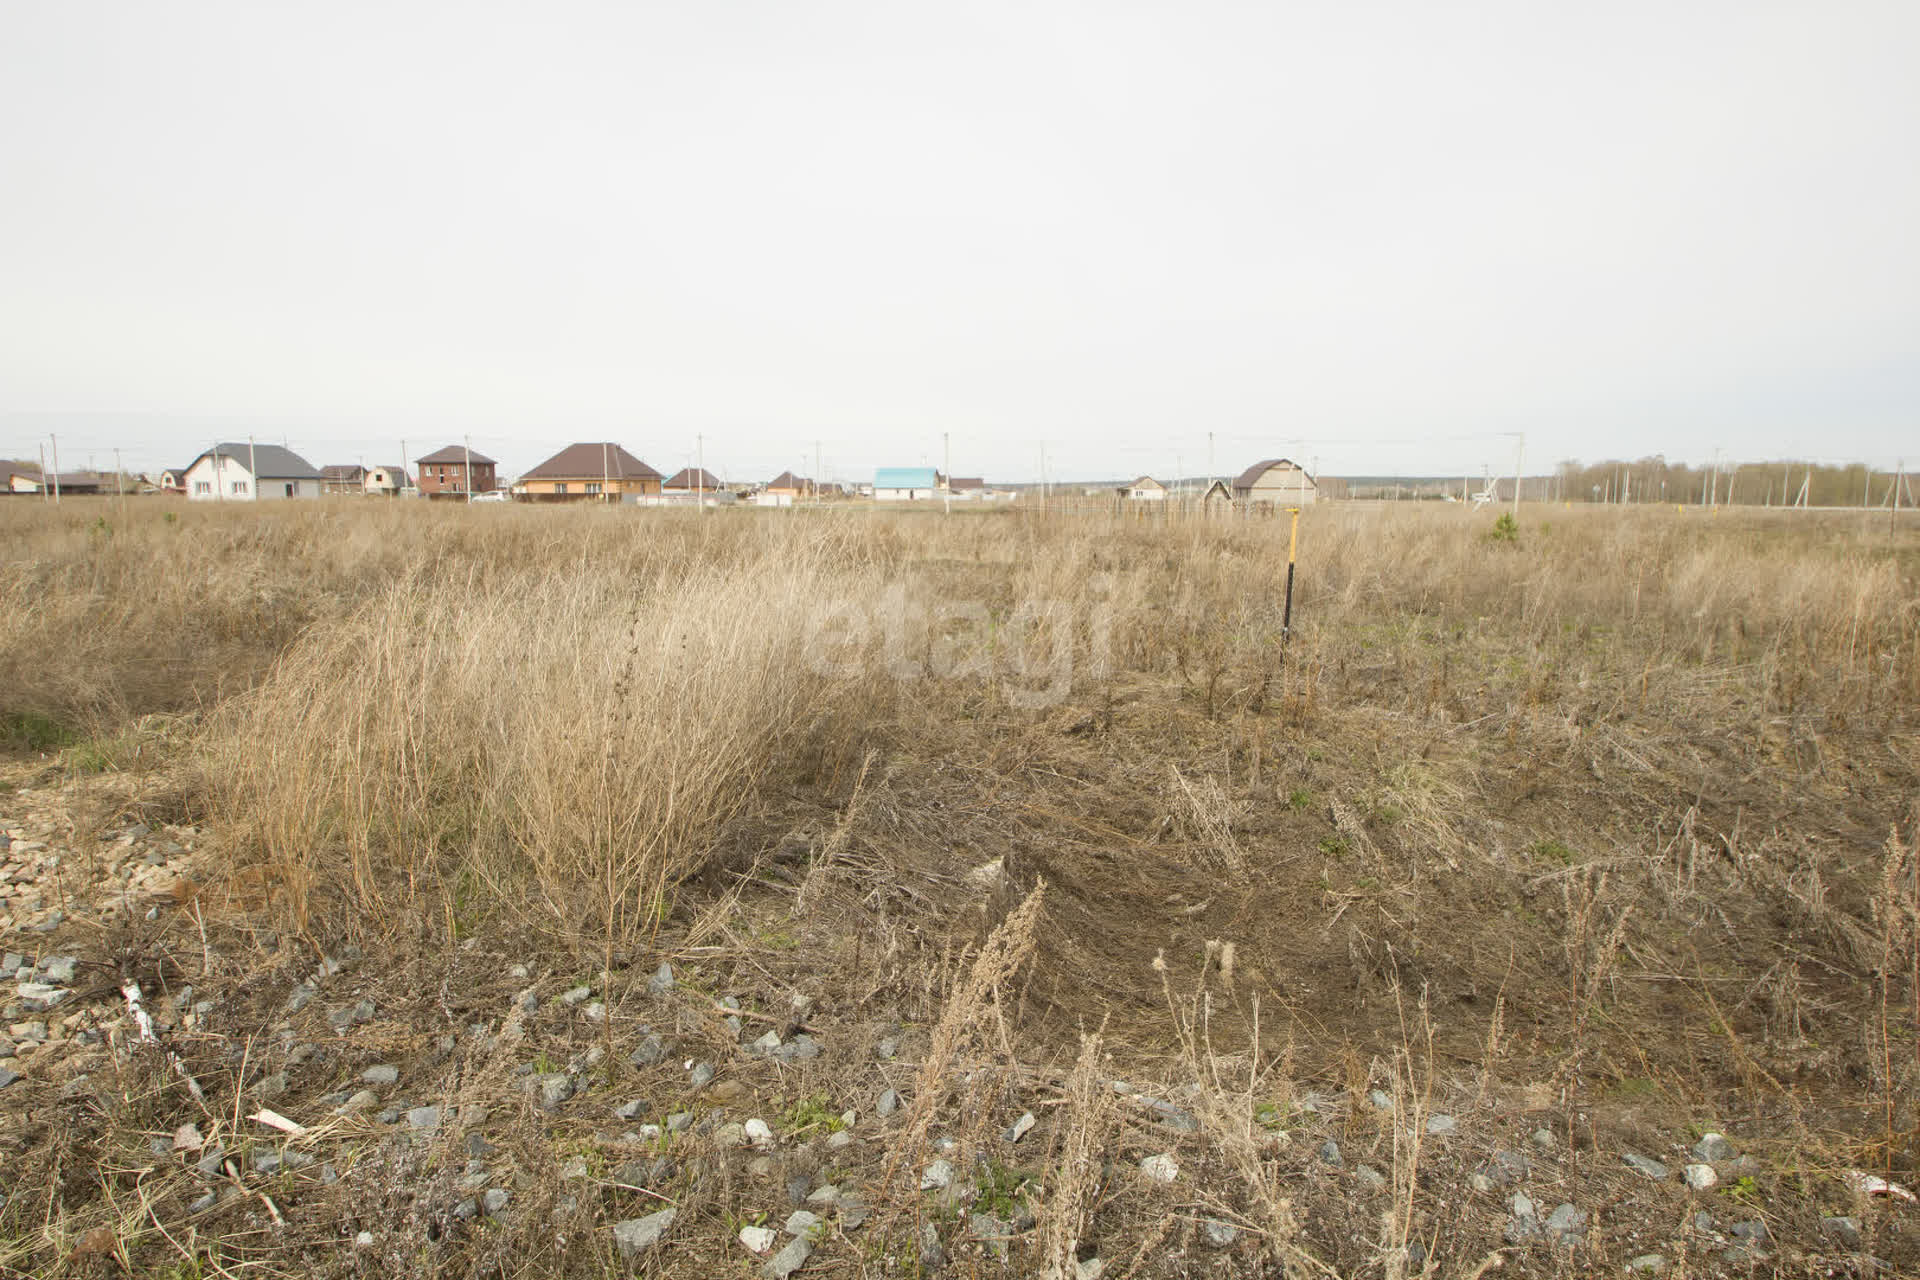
[1517, 856]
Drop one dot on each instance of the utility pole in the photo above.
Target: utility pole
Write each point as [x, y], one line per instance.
[400, 490]
[116, 480]
[700, 473]
[253, 465]
[55, 442]
[46, 489]
[1519, 454]
[816, 473]
[1210, 475]
[946, 452]
[466, 442]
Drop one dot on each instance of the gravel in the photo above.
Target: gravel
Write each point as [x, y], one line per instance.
[635, 1236]
[1713, 1148]
[1643, 1164]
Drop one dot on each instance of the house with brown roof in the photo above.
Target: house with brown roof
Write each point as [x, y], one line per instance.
[456, 472]
[1277, 482]
[350, 478]
[602, 472]
[692, 480]
[20, 479]
[1144, 489]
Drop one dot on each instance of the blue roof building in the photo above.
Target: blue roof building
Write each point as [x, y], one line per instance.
[903, 484]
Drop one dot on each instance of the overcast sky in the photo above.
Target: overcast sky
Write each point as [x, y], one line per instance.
[1375, 234]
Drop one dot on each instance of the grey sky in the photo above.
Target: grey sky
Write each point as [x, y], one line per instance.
[1366, 233]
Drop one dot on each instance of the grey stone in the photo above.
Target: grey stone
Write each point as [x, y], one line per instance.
[575, 996]
[424, 1119]
[799, 1186]
[1218, 1234]
[1178, 1119]
[662, 980]
[1753, 1231]
[888, 1103]
[12, 964]
[636, 1235]
[680, 1122]
[1381, 1100]
[267, 1160]
[800, 1222]
[57, 969]
[552, 1088]
[936, 1176]
[38, 997]
[701, 1076]
[731, 1136]
[1330, 1152]
[629, 1110]
[1370, 1177]
[527, 1001]
[933, 1255]
[1544, 1139]
[467, 1208]
[801, 1048]
[1648, 1264]
[765, 1044]
[853, 1212]
[758, 1239]
[269, 1087]
[8, 1076]
[887, 1049]
[382, 1074]
[1508, 1166]
[1480, 1182]
[573, 1167]
[1704, 1222]
[829, 1196]
[790, 1259]
[1524, 1225]
[1845, 1230]
[1644, 1164]
[478, 1147]
[1713, 1148]
[496, 1200]
[650, 1051]
[990, 1231]
[1701, 1177]
[204, 1203]
[1019, 1128]
[328, 1175]
[1439, 1124]
[209, 1164]
[759, 1133]
[1566, 1221]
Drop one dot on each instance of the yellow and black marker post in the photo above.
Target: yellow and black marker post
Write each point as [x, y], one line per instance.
[1293, 546]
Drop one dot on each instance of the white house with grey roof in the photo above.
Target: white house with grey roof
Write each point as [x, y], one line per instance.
[250, 473]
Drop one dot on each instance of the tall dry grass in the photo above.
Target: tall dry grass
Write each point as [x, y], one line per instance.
[564, 745]
[557, 712]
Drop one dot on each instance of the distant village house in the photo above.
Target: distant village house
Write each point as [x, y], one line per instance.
[249, 473]
[907, 484]
[456, 472]
[1276, 481]
[602, 472]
